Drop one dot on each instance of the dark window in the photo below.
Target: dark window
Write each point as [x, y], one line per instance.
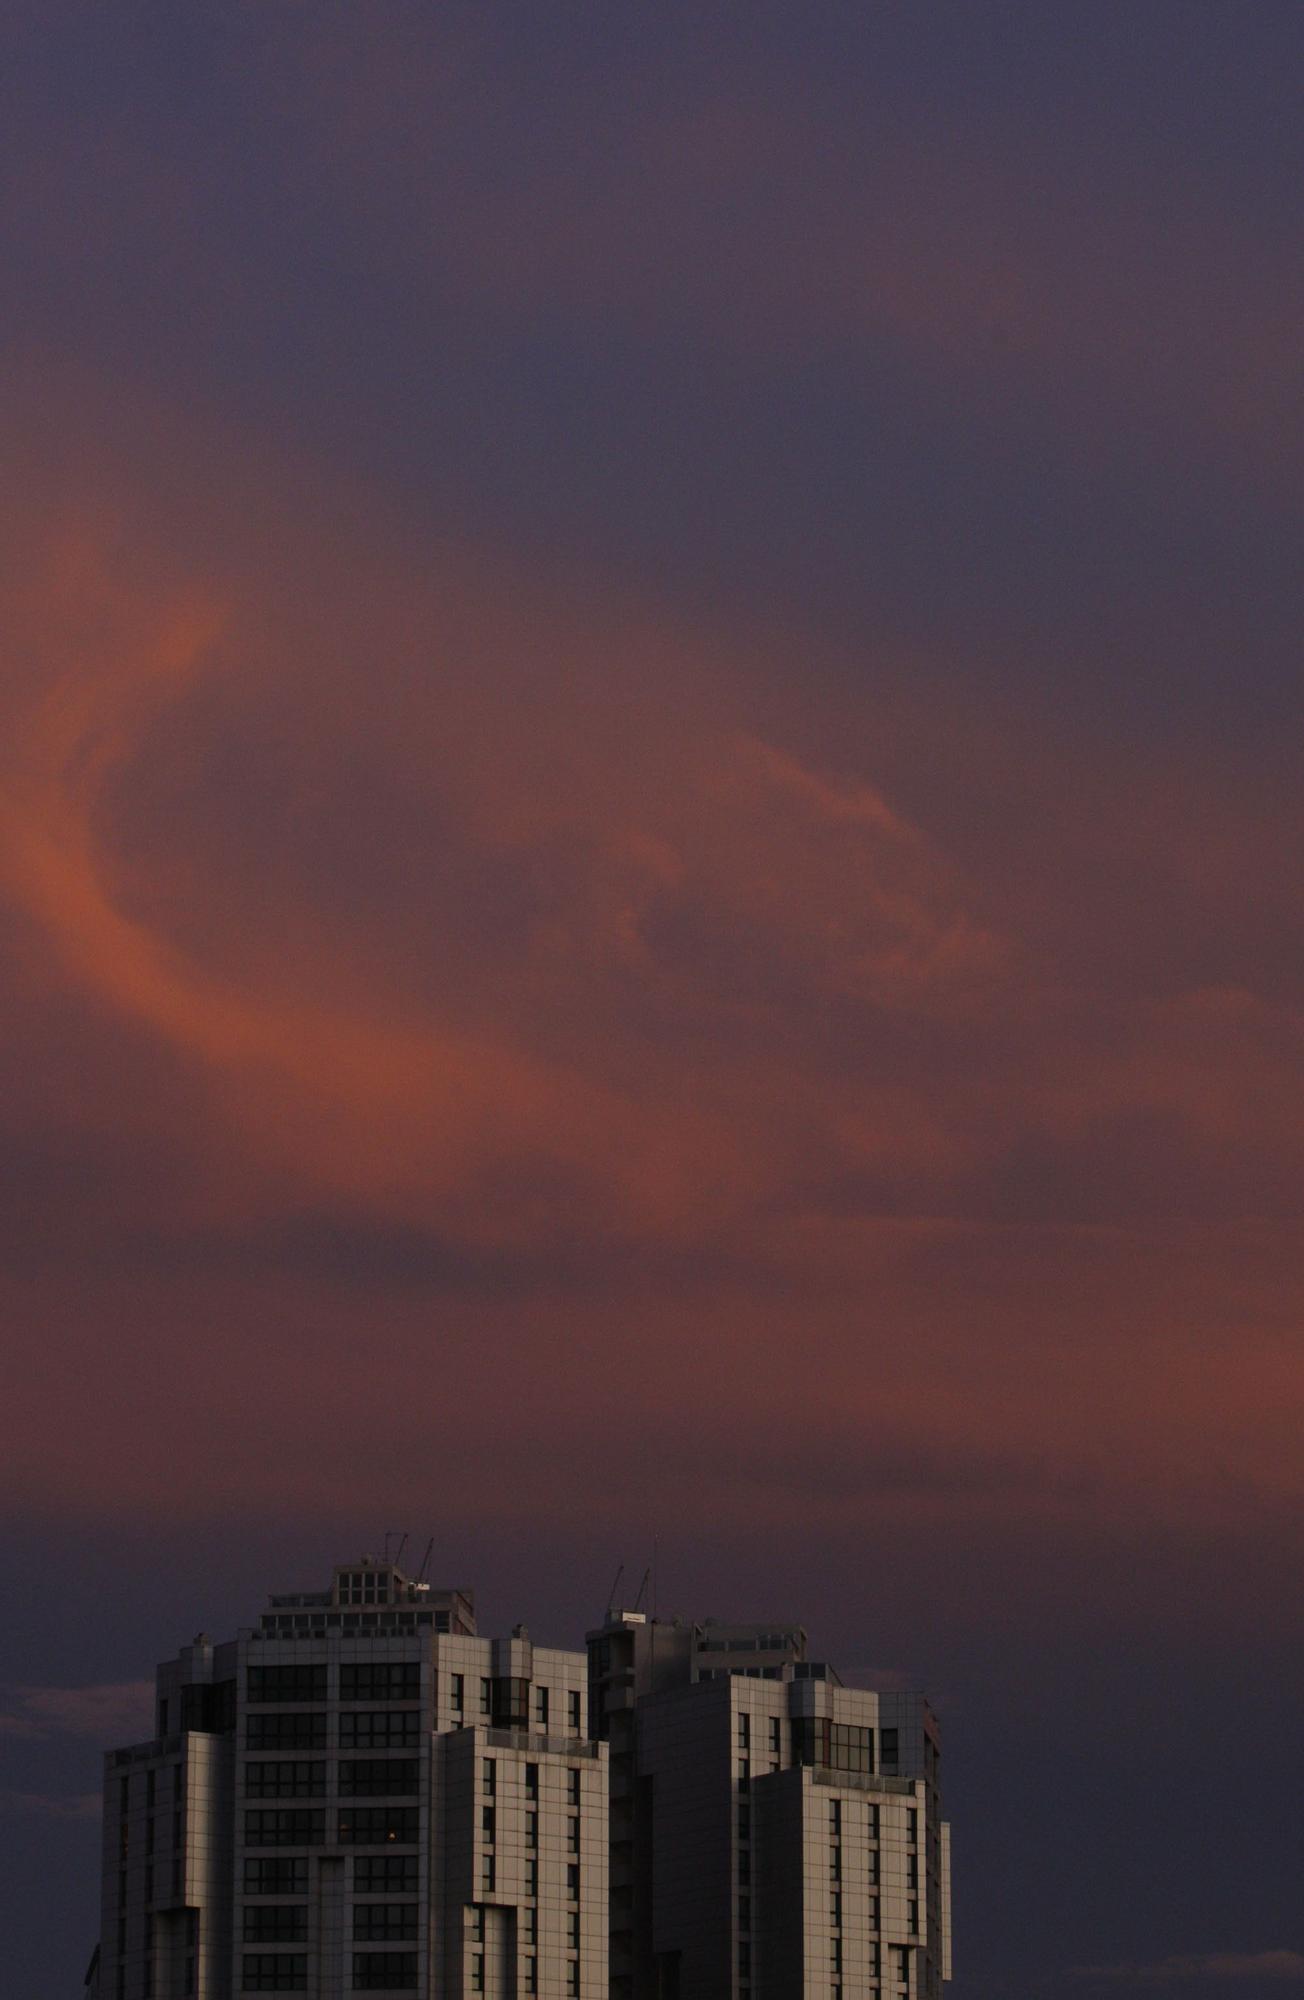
[488, 1820]
[511, 1701]
[573, 1721]
[573, 1834]
[381, 1680]
[487, 1874]
[573, 1787]
[281, 1877]
[275, 1972]
[376, 1826]
[381, 1729]
[572, 1881]
[378, 1777]
[490, 1774]
[834, 1746]
[486, 1696]
[384, 1971]
[531, 1781]
[286, 1732]
[297, 1683]
[210, 1708]
[375, 1874]
[391, 1923]
[297, 1780]
[891, 1748]
[458, 1694]
[541, 1707]
[291, 1826]
[276, 1923]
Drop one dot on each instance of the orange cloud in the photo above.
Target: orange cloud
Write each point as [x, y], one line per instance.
[482, 964]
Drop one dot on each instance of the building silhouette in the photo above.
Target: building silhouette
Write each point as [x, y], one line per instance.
[361, 1794]
[774, 1834]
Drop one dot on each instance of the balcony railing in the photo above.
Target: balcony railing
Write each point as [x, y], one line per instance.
[859, 1782]
[543, 1746]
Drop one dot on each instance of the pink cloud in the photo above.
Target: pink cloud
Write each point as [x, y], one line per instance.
[411, 953]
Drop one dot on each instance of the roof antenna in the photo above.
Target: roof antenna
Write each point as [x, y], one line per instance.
[647, 1578]
[398, 1555]
[615, 1586]
[425, 1560]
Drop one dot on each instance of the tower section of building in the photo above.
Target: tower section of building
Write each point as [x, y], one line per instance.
[360, 1795]
[775, 1835]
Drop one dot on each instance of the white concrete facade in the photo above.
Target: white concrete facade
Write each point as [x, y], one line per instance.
[360, 1795]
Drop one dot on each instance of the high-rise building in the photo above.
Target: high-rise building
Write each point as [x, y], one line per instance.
[359, 1794]
[774, 1834]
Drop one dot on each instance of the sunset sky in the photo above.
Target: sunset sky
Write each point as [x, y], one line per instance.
[650, 885]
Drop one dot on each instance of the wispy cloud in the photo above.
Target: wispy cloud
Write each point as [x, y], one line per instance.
[1278, 1965]
[109, 1712]
[79, 1805]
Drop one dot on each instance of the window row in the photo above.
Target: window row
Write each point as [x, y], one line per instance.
[365, 1826]
[359, 1729]
[373, 1875]
[287, 1972]
[358, 1778]
[360, 1680]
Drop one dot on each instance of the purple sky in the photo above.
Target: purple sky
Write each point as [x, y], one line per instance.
[650, 885]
